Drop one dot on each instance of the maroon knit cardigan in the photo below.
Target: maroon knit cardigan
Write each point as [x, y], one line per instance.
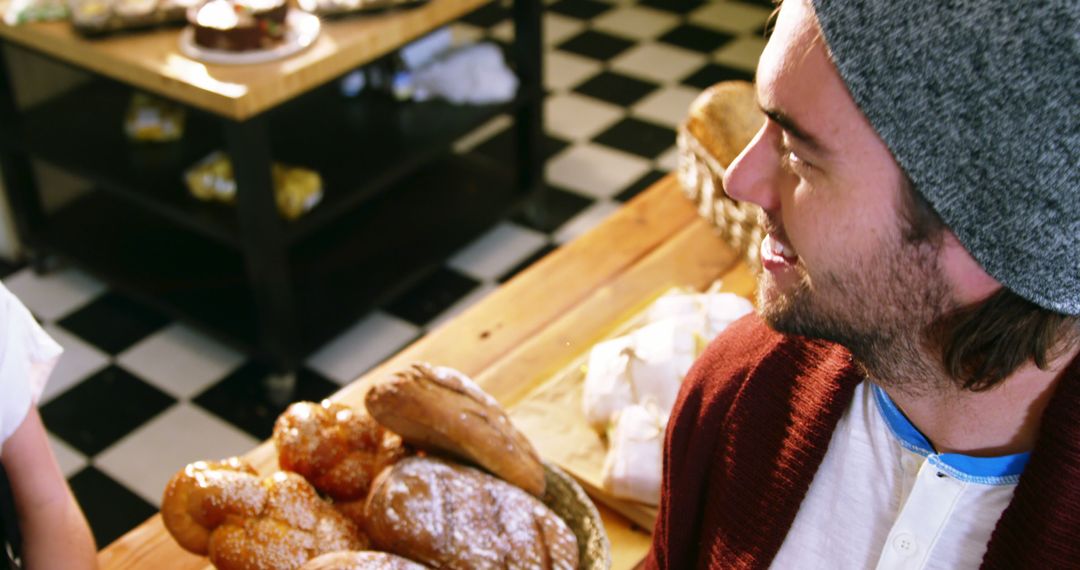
[751, 426]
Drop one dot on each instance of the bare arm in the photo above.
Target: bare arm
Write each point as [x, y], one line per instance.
[54, 530]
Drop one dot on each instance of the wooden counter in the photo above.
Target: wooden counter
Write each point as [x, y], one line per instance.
[530, 328]
[152, 60]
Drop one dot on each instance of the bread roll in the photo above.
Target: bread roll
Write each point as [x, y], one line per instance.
[338, 449]
[367, 560]
[451, 516]
[723, 119]
[223, 510]
[442, 409]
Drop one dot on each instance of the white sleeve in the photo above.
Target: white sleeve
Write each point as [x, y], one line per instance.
[27, 357]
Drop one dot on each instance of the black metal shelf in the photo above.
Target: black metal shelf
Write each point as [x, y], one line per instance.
[344, 269]
[361, 146]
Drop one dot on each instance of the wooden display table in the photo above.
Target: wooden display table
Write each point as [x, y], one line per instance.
[531, 327]
[276, 289]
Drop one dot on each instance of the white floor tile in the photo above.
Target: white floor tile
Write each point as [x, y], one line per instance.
[585, 221]
[576, 117]
[595, 170]
[558, 28]
[483, 133]
[145, 460]
[179, 360]
[731, 17]
[635, 22]
[741, 53]
[497, 251]
[658, 62]
[668, 106]
[564, 70]
[79, 360]
[669, 160]
[70, 461]
[56, 294]
[461, 305]
[369, 342]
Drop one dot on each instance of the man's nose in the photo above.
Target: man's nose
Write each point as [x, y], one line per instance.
[754, 175]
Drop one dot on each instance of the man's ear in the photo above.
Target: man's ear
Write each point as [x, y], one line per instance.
[970, 282]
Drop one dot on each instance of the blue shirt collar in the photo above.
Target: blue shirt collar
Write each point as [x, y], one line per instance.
[1000, 470]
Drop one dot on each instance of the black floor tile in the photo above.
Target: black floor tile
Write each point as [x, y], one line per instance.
[638, 137]
[712, 73]
[113, 322]
[616, 88]
[596, 45]
[110, 508]
[503, 147]
[427, 299]
[98, 411]
[525, 263]
[251, 398]
[674, 6]
[487, 15]
[695, 38]
[640, 184]
[556, 208]
[581, 9]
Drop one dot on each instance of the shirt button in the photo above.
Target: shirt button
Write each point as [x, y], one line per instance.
[905, 543]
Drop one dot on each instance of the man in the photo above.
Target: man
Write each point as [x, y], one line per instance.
[909, 395]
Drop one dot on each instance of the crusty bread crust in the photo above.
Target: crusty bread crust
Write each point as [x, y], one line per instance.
[459, 518]
[441, 409]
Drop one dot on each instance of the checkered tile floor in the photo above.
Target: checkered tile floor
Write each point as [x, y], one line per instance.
[136, 396]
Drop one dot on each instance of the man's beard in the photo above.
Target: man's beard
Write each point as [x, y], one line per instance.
[880, 312]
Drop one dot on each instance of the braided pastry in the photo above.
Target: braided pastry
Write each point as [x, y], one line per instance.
[242, 522]
[338, 449]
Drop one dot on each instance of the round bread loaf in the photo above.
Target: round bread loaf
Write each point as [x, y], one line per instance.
[459, 518]
[439, 408]
[367, 560]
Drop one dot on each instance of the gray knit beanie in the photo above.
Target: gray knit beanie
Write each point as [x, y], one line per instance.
[978, 102]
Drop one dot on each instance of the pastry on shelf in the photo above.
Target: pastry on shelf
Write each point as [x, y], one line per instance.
[439, 408]
[343, 7]
[459, 518]
[97, 17]
[296, 190]
[153, 119]
[243, 521]
[239, 25]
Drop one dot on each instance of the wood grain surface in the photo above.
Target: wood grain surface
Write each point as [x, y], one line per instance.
[151, 60]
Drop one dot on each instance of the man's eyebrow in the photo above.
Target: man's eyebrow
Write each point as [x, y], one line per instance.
[789, 125]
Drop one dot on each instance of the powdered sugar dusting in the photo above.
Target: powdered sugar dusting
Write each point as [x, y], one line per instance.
[456, 517]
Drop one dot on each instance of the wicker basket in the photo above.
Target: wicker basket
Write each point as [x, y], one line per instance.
[564, 496]
[722, 120]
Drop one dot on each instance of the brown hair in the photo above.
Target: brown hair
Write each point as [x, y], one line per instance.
[983, 343]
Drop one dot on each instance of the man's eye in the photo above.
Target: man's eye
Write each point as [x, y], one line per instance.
[789, 160]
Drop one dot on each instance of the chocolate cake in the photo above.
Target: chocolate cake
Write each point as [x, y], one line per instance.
[239, 25]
